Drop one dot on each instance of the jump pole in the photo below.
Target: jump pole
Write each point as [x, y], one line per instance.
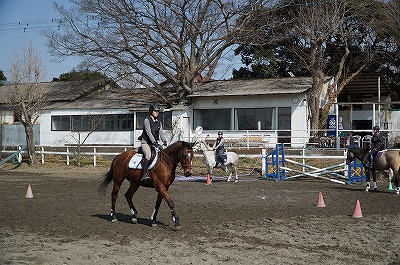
[313, 175]
[325, 170]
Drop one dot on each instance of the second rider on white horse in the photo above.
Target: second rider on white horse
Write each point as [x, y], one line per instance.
[219, 149]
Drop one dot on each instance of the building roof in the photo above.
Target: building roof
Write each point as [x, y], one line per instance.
[90, 94]
[253, 87]
[366, 85]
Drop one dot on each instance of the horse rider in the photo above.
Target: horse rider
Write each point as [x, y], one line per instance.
[219, 149]
[152, 133]
[377, 144]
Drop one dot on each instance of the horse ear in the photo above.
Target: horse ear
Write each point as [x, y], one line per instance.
[190, 145]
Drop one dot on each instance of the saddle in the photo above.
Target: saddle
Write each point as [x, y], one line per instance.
[379, 154]
[135, 162]
[224, 157]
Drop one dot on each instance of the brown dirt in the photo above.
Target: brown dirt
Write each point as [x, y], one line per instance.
[250, 222]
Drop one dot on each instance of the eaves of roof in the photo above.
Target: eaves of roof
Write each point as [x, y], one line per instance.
[253, 87]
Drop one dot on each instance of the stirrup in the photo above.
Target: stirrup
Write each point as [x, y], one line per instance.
[144, 178]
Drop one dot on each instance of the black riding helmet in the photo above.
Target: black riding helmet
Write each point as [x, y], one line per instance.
[153, 107]
[220, 133]
[376, 128]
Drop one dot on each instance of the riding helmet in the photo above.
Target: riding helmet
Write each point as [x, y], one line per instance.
[220, 133]
[376, 128]
[153, 107]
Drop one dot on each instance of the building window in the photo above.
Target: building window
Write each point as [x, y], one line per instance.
[164, 117]
[61, 123]
[284, 125]
[255, 119]
[87, 123]
[218, 119]
[81, 123]
[123, 122]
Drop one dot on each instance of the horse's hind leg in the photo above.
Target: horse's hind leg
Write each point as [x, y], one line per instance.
[114, 196]
[153, 217]
[129, 195]
[230, 169]
[236, 175]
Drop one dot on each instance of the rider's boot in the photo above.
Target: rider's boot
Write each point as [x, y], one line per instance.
[145, 167]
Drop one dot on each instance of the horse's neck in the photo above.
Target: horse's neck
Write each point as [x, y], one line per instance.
[170, 157]
[205, 147]
[359, 155]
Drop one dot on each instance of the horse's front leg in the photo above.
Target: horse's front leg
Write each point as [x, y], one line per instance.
[367, 173]
[129, 195]
[164, 193]
[396, 175]
[153, 217]
[374, 179]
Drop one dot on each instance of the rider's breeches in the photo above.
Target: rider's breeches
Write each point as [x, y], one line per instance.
[146, 151]
[372, 154]
[220, 154]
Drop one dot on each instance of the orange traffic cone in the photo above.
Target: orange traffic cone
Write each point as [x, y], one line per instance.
[29, 194]
[208, 181]
[357, 211]
[321, 202]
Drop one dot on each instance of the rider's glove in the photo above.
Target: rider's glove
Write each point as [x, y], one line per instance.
[165, 143]
[156, 145]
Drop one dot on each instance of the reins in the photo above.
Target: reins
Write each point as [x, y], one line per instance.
[174, 163]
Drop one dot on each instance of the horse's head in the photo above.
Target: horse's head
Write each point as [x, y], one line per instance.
[186, 158]
[350, 156]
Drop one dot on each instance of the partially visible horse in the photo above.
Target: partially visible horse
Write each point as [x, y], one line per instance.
[230, 165]
[162, 175]
[388, 159]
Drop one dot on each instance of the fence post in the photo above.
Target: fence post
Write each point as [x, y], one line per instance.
[67, 156]
[94, 156]
[42, 155]
[263, 162]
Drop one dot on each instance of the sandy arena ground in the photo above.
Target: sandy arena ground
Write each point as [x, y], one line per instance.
[250, 222]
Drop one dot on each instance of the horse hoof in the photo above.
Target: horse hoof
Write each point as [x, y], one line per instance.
[177, 227]
[228, 180]
[153, 224]
[114, 220]
[366, 190]
[236, 181]
[134, 220]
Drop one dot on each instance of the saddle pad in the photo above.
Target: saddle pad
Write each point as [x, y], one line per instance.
[134, 163]
[379, 154]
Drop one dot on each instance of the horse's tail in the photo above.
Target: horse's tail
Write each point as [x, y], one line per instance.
[106, 179]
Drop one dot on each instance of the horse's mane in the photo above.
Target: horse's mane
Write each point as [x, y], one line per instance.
[358, 150]
[178, 144]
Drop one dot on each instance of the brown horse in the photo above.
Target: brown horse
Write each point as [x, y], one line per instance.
[162, 175]
[389, 159]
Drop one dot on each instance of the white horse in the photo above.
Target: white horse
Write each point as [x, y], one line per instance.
[209, 158]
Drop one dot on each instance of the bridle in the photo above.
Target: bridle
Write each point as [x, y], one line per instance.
[185, 167]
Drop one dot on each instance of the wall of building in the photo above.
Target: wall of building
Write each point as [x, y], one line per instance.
[299, 116]
[61, 138]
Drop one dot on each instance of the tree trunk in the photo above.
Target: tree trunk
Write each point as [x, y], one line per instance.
[31, 144]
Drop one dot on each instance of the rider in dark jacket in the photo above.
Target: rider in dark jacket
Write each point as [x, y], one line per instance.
[377, 144]
[152, 133]
[219, 149]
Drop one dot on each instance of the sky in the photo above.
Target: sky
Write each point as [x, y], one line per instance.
[38, 14]
[21, 22]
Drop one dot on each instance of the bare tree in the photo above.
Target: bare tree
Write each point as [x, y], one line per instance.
[150, 41]
[327, 39]
[26, 95]
[83, 127]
